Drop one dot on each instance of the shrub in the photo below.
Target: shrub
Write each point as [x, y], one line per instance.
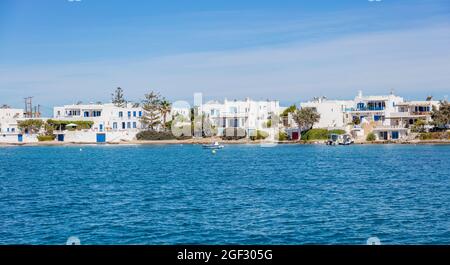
[319, 134]
[282, 136]
[315, 134]
[356, 120]
[260, 135]
[46, 138]
[434, 136]
[418, 126]
[336, 131]
[155, 135]
[371, 137]
[58, 124]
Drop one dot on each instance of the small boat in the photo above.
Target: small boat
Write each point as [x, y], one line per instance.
[346, 139]
[339, 139]
[333, 139]
[214, 145]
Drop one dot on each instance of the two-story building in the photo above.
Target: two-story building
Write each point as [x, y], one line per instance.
[8, 119]
[409, 112]
[106, 117]
[332, 112]
[247, 114]
[375, 109]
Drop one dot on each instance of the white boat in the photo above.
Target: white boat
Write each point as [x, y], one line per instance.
[342, 139]
[214, 145]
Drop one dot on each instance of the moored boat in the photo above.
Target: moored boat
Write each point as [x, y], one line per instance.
[214, 145]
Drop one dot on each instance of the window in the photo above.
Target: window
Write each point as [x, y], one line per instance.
[134, 125]
[134, 113]
[13, 130]
[395, 135]
[140, 113]
[128, 125]
[360, 106]
[96, 113]
[129, 114]
[114, 125]
[120, 114]
[123, 125]
[86, 114]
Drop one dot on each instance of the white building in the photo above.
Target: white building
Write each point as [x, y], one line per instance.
[374, 108]
[247, 114]
[106, 117]
[332, 112]
[389, 117]
[9, 132]
[110, 123]
[407, 113]
[8, 119]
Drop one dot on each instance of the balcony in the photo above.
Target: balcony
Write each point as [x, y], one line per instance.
[370, 108]
[232, 115]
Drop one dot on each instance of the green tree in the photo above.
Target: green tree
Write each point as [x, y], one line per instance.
[441, 116]
[305, 118]
[165, 108]
[151, 106]
[118, 98]
[30, 126]
[371, 137]
[419, 126]
[290, 109]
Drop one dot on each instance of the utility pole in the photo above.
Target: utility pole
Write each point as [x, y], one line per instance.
[28, 107]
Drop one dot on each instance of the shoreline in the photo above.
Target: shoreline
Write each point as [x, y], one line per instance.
[208, 141]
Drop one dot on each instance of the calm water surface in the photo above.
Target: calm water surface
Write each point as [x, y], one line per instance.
[242, 194]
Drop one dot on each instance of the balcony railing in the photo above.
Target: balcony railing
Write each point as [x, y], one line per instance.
[369, 108]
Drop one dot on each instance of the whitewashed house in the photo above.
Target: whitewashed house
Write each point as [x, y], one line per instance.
[247, 114]
[110, 123]
[332, 112]
[407, 113]
[106, 117]
[9, 132]
[376, 109]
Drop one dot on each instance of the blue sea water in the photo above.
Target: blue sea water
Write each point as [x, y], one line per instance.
[243, 194]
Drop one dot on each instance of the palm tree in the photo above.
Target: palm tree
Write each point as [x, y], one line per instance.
[165, 108]
[305, 118]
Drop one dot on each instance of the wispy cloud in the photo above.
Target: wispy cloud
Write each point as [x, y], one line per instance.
[413, 62]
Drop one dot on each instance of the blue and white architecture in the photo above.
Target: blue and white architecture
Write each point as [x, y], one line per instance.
[106, 117]
[246, 114]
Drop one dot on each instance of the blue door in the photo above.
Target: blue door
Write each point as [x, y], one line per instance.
[101, 137]
[395, 135]
[60, 137]
[20, 137]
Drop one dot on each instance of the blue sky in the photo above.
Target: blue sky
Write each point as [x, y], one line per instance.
[62, 52]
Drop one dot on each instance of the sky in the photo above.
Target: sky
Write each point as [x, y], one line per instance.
[62, 51]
